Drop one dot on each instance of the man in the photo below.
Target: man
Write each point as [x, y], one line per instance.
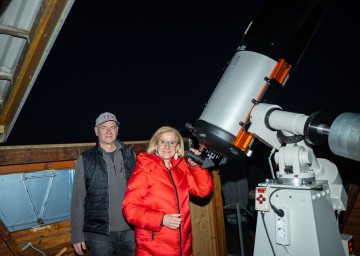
[100, 181]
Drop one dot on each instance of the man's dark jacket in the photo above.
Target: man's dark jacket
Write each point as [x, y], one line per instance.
[96, 183]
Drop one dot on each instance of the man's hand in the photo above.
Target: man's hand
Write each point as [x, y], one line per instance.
[80, 248]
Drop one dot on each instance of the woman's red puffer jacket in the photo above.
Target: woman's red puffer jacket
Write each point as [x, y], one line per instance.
[154, 191]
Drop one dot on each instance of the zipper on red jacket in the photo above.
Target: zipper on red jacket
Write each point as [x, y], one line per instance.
[178, 206]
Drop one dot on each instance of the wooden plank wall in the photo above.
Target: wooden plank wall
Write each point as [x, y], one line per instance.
[208, 229]
[51, 239]
[207, 216]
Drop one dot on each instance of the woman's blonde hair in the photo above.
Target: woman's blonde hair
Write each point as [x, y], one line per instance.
[156, 136]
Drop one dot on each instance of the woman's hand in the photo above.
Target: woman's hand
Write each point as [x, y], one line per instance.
[172, 221]
[196, 152]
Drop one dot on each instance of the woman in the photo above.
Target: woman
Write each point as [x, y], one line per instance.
[157, 197]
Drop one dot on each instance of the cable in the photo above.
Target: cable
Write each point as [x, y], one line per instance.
[287, 252]
[270, 164]
[337, 216]
[267, 233]
[279, 212]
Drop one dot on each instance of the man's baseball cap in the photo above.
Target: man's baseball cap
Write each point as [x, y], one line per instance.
[105, 117]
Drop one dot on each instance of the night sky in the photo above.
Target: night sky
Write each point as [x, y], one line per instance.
[153, 65]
